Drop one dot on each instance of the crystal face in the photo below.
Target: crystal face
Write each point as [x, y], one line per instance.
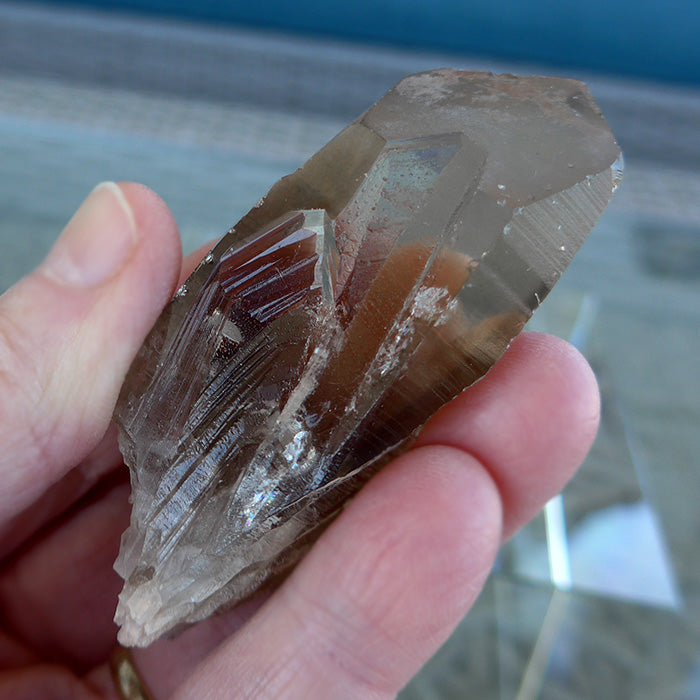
[362, 293]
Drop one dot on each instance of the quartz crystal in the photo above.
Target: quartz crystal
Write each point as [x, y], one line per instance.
[359, 295]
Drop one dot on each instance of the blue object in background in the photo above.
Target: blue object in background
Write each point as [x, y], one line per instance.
[642, 38]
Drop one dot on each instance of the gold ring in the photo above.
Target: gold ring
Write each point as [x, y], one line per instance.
[126, 678]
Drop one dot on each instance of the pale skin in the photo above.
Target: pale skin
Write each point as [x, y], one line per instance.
[377, 595]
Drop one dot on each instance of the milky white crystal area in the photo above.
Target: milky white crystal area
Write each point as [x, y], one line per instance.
[364, 291]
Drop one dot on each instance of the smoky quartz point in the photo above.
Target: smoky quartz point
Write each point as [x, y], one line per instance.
[363, 292]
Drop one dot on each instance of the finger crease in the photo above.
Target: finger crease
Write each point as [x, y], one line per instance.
[332, 647]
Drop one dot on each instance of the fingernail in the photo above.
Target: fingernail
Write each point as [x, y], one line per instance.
[97, 241]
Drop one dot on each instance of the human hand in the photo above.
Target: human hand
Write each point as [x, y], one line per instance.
[377, 595]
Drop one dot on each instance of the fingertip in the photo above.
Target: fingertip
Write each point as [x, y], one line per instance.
[567, 379]
[531, 421]
[159, 232]
[149, 209]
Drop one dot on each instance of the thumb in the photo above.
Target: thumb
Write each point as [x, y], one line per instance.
[69, 331]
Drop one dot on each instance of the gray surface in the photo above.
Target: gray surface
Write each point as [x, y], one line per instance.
[292, 74]
[210, 118]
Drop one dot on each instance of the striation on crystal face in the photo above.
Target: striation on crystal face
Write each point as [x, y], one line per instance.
[363, 292]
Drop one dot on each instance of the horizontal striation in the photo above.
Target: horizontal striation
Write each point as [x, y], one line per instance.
[363, 292]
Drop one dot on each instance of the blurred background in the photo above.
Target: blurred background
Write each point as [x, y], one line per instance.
[210, 102]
